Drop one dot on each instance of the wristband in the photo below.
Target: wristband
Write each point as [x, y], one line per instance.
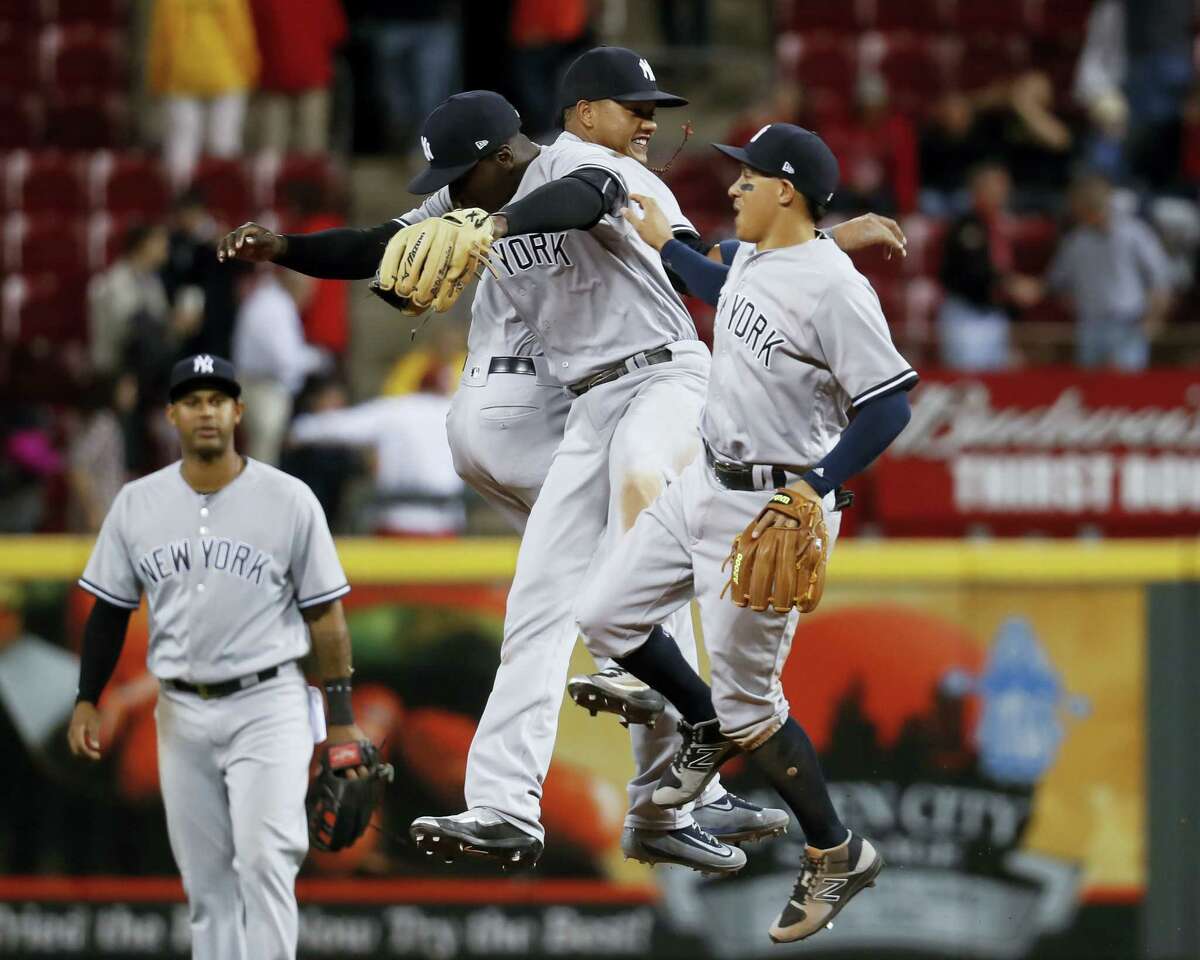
[337, 696]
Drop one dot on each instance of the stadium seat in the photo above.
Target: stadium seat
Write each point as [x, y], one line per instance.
[273, 176]
[20, 12]
[921, 15]
[105, 238]
[86, 122]
[826, 61]
[20, 122]
[970, 17]
[806, 15]
[37, 244]
[1062, 18]
[227, 189]
[108, 13]
[83, 58]
[915, 68]
[925, 237]
[18, 58]
[42, 182]
[986, 58]
[127, 184]
[44, 306]
[1034, 240]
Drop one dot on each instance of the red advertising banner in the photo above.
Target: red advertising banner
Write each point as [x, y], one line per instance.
[1048, 451]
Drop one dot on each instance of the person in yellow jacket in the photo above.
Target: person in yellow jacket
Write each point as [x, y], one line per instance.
[202, 60]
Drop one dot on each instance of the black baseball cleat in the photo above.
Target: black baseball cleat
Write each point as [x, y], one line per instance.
[701, 754]
[617, 691]
[687, 846]
[478, 833]
[737, 821]
[827, 882]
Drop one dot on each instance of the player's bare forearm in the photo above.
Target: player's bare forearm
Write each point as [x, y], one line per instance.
[330, 640]
[867, 231]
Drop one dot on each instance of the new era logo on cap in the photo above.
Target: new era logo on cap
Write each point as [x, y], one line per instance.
[788, 168]
[202, 364]
[480, 144]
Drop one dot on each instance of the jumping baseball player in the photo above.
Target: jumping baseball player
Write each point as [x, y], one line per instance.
[506, 421]
[800, 347]
[241, 577]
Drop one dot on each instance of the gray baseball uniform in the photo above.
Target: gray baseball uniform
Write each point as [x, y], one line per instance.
[799, 342]
[504, 424]
[594, 298]
[226, 576]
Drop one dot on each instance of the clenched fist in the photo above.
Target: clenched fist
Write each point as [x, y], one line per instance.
[251, 242]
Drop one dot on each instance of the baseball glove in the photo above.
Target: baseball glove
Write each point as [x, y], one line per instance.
[784, 566]
[430, 263]
[339, 809]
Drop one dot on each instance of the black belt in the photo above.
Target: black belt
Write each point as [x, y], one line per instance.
[740, 476]
[211, 691]
[512, 365]
[618, 370]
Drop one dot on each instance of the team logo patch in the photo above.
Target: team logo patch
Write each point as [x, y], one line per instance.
[480, 144]
[760, 133]
[783, 498]
[202, 364]
[426, 148]
[788, 168]
[646, 71]
[829, 890]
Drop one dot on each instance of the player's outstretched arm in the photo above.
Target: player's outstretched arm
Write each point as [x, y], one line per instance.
[702, 276]
[331, 645]
[103, 637]
[869, 230]
[345, 253]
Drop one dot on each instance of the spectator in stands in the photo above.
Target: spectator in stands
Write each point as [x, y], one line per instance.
[785, 103]
[202, 59]
[272, 357]
[415, 55]
[130, 319]
[310, 209]
[1158, 47]
[1102, 147]
[28, 460]
[1113, 273]
[949, 148]
[684, 23]
[96, 455]
[877, 152]
[192, 266]
[417, 491]
[1015, 119]
[1101, 67]
[547, 35]
[297, 42]
[979, 280]
[327, 468]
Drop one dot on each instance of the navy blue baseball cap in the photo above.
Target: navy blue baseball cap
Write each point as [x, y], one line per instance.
[791, 153]
[203, 371]
[460, 132]
[612, 73]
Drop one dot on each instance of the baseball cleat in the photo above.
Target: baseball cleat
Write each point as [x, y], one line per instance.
[827, 882]
[687, 847]
[617, 691]
[697, 761]
[478, 833]
[734, 820]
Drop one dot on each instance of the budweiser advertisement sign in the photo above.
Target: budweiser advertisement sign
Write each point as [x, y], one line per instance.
[1053, 451]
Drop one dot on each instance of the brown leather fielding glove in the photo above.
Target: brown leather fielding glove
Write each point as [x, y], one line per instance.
[784, 566]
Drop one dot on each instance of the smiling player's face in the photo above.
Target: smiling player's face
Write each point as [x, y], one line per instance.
[625, 126]
[205, 421]
[755, 201]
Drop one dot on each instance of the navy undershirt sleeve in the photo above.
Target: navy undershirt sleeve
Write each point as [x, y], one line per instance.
[729, 250]
[876, 424]
[703, 277]
[103, 637]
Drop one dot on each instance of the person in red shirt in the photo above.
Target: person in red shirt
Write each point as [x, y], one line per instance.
[296, 42]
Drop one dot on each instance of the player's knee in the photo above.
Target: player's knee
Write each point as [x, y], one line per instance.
[639, 489]
[596, 616]
[748, 720]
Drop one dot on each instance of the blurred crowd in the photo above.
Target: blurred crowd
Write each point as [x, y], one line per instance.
[1043, 157]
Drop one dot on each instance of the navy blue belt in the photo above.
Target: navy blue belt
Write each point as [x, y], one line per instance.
[733, 475]
[618, 370]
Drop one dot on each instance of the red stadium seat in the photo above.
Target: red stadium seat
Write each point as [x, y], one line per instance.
[1063, 18]
[20, 122]
[83, 58]
[87, 122]
[924, 15]
[986, 59]
[129, 184]
[805, 15]
[20, 12]
[47, 306]
[227, 190]
[44, 182]
[915, 68]
[827, 61]
[37, 244]
[970, 17]
[18, 58]
[275, 176]
[108, 13]
[105, 238]
[925, 236]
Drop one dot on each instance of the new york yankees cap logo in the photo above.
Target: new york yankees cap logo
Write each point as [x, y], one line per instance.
[203, 371]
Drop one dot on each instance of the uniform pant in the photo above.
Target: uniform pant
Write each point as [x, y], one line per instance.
[623, 442]
[675, 552]
[195, 125]
[234, 772]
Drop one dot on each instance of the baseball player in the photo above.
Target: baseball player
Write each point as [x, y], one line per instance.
[800, 346]
[241, 576]
[506, 421]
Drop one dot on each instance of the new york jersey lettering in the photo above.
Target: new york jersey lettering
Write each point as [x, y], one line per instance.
[517, 254]
[745, 322]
